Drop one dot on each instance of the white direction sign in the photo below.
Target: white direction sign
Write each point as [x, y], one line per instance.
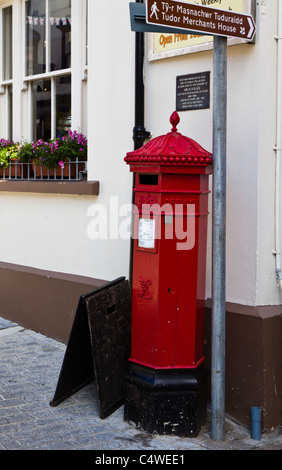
[199, 18]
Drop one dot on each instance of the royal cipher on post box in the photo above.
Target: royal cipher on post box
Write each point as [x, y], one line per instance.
[166, 377]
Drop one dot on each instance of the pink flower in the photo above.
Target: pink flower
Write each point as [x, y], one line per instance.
[62, 165]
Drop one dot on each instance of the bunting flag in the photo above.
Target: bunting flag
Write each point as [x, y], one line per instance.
[40, 20]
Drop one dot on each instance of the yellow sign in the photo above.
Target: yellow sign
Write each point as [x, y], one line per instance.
[171, 42]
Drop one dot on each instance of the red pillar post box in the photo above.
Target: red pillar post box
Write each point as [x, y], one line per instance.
[166, 378]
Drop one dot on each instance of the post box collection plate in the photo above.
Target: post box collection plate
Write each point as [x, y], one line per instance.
[146, 233]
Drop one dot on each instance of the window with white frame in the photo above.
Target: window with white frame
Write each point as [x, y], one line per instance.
[43, 73]
[6, 22]
[43, 88]
[48, 65]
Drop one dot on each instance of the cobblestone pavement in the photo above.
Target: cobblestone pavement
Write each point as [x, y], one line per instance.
[30, 364]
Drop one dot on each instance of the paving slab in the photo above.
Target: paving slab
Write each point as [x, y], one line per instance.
[30, 365]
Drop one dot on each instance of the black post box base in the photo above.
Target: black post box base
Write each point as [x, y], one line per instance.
[166, 401]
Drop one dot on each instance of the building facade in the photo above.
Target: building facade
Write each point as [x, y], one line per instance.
[71, 64]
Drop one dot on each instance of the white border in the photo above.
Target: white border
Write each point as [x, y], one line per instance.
[249, 8]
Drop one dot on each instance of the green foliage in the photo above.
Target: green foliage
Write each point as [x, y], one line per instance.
[4, 161]
[25, 152]
[54, 153]
[7, 154]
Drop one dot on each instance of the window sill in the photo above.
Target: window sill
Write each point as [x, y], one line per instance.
[80, 188]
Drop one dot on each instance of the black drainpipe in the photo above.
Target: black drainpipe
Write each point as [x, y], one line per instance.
[139, 132]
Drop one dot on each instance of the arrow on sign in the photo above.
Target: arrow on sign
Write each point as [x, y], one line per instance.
[252, 28]
[199, 18]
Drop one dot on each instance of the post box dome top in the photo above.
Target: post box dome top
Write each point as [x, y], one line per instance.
[171, 149]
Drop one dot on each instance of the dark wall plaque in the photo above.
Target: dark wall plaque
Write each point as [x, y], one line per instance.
[193, 91]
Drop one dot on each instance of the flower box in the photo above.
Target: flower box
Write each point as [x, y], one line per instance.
[16, 169]
[69, 170]
[41, 172]
[61, 158]
[13, 170]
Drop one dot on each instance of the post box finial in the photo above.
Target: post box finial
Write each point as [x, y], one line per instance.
[174, 120]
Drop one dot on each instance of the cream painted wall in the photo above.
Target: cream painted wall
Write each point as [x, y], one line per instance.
[242, 136]
[110, 124]
[267, 290]
[250, 158]
[56, 232]
[52, 233]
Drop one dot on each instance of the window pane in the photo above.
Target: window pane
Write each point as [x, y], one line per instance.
[10, 112]
[35, 37]
[42, 109]
[63, 104]
[60, 37]
[7, 44]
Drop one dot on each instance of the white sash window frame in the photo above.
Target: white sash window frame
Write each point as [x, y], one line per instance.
[22, 102]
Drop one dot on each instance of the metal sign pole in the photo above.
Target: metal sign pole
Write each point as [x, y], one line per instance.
[219, 235]
[141, 22]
